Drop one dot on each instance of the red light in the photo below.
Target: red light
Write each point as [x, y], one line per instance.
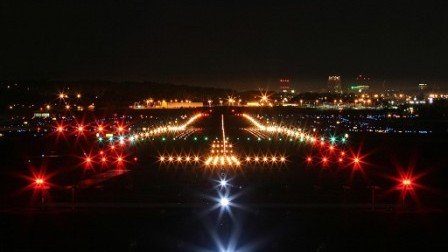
[342, 153]
[100, 128]
[406, 182]
[324, 159]
[101, 152]
[39, 181]
[331, 147]
[103, 159]
[340, 159]
[88, 160]
[120, 159]
[112, 147]
[60, 129]
[309, 159]
[356, 160]
[120, 129]
[80, 128]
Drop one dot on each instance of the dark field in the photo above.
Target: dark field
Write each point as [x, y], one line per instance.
[280, 207]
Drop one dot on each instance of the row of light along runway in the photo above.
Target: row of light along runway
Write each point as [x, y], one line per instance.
[222, 155]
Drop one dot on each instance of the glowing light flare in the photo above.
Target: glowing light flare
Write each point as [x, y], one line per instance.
[39, 182]
[223, 183]
[407, 183]
[60, 129]
[224, 202]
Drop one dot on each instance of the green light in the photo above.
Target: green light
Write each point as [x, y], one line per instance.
[248, 139]
[205, 138]
[280, 139]
[163, 139]
[301, 139]
[290, 139]
[259, 139]
[100, 139]
[195, 138]
[270, 139]
[333, 139]
[343, 139]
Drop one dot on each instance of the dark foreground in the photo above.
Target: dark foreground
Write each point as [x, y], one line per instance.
[290, 207]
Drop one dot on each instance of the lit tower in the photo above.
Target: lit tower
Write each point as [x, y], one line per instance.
[334, 84]
[284, 85]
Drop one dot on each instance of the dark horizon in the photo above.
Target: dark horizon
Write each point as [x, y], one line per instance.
[233, 45]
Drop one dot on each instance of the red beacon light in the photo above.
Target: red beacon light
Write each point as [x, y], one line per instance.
[39, 181]
[406, 183]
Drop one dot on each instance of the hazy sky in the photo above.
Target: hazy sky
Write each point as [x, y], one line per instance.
[226, 43]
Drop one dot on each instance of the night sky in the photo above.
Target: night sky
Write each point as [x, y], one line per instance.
[226, 43]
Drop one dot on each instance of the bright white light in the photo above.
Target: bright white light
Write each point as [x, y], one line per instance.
[224, 202]
[223, 183]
